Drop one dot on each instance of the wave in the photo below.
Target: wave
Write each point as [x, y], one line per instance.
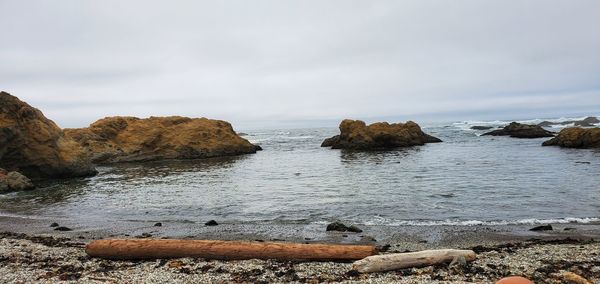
[466, 125]
[531, 221]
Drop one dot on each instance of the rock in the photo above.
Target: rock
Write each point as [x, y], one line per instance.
[340, 227]
[211, 223]
[586, 122]
[159, 224]
[131, 139]
[478, 127]
[518, 130]
[242, 134]
[569, 229]
[63, 229]
[573, 278]
[355, 134]
[542, 228]
[54, 225]
[576, 137]
[35, 146]
[14, 181]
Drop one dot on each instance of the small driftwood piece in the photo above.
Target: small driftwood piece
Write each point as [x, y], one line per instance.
[224, 250]
[388, 262]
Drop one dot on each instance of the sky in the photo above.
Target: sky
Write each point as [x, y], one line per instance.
[306, 63]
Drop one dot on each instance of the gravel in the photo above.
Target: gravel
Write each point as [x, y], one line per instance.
[48, 259]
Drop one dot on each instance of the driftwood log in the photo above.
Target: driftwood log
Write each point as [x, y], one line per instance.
[224, 250]
[388, 262]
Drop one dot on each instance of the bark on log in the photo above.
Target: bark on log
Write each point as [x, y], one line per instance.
[224, 250]
[388, 262]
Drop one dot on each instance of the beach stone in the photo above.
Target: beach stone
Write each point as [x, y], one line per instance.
[211, 223]
[572, 278]
[518, 130]
[132, 139]
[340, 227]
[35, 146]
[159, 224]
[355, 134]
[514, 280]
[542, 228]
[53, 225]
[63, 229]
[576, 137]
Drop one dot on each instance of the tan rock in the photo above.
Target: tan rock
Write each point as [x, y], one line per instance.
[355, 134]
[34, 145]
[128, 139]
[573, 278]
[575, 137]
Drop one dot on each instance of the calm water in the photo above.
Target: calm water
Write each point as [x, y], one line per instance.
[468, 179]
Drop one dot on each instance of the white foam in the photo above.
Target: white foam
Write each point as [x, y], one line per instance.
[385, 222]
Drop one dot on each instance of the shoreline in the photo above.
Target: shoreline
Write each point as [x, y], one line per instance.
[49, 258]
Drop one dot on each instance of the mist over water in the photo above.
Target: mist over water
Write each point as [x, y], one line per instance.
[467, 179]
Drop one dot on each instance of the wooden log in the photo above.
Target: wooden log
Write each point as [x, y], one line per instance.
[388, 262]
[224, 250]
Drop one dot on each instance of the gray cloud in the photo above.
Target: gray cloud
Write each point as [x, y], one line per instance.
[258, 63]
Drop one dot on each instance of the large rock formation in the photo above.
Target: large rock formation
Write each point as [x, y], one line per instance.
[129, 139]
[518, 130]
[35, 146]
[586, 122]
[355, 134]
[575, 137]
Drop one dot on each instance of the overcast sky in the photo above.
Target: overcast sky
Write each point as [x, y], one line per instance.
[306, 63]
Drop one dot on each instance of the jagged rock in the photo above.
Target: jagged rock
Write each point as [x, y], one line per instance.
[586, 122]
[17, 182]
[130, 139]
[518, 130]
[355, 134]
[575, 137]
[35, 146]
[479, 127]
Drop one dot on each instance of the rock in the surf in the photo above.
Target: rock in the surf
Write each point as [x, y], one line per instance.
[355, 134]
[14, 181]
[586, 122]
[340, 227]
[518, 130]
[35, 146]
[480, 127]
[576, 137]
[131, 139]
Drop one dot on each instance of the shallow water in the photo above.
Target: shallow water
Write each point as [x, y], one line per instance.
[467, 179]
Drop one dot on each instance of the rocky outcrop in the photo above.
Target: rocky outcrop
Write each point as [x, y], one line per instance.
[576, 137]
[586, 122]
[35, 146]
[479, 127]
[14, 181]
[355, 134]
[518, 130]
[131, 139]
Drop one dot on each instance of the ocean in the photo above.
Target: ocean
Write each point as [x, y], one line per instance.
[468, 179]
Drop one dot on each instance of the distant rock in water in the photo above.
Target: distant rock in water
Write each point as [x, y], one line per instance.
[355, 134]
[518, 130]
[35, 146]
[575, 137]
[132, 139]
[586, 122]
[478, 127]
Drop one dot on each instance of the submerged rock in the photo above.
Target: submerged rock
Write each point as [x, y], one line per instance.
[518, 130]
[130, 139]
[575, 137]
[35, 146]
[355, 134]
[479, 127]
